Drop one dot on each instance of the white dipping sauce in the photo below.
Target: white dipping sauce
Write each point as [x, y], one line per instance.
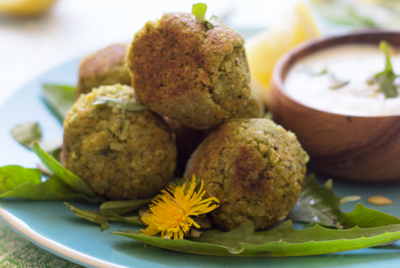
[355, 63]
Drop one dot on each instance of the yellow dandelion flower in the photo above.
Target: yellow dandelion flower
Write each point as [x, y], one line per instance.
[170, 212]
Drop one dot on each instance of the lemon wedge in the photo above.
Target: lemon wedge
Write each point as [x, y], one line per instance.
[25, 7]
[264, 49]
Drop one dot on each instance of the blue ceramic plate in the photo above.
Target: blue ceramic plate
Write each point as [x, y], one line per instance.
[53, 226]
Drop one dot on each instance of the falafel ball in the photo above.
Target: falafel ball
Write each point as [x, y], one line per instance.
[188, 72]
[254, 167]
[103, 67]
[120, 154]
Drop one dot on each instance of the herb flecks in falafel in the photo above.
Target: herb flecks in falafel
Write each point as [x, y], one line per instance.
[120, 154]
[171, 212]
[124, 104]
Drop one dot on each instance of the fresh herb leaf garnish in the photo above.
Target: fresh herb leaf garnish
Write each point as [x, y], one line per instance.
[283, 241]
[127, 105]
[60, 98]
[199, 10]
[386, 78]
[319, 205]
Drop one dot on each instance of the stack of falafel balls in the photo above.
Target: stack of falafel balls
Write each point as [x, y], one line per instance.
[202, 120]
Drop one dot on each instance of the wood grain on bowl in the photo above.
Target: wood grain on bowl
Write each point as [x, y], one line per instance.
[349, 147]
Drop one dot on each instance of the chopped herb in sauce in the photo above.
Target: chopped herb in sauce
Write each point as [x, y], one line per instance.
[386, 78]
[335, 83]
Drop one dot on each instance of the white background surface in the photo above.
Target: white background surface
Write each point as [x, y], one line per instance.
[73, 28]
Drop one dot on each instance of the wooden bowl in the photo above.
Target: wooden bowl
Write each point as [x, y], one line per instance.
[349, 147]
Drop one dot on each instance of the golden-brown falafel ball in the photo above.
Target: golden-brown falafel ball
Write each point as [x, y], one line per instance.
[120, 154]
[254, 167]
[188, 72]
[103, 67]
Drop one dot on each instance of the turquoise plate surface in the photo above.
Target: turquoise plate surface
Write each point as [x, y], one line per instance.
[53, 226]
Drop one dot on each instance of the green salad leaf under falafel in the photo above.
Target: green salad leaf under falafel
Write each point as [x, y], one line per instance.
[26, 183]
[243, 241]
[367, 227]
[66, 176]
[283, 241]
[319, 205]
[19, 182]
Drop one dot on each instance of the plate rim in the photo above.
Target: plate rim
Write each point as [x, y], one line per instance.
[54, 247]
